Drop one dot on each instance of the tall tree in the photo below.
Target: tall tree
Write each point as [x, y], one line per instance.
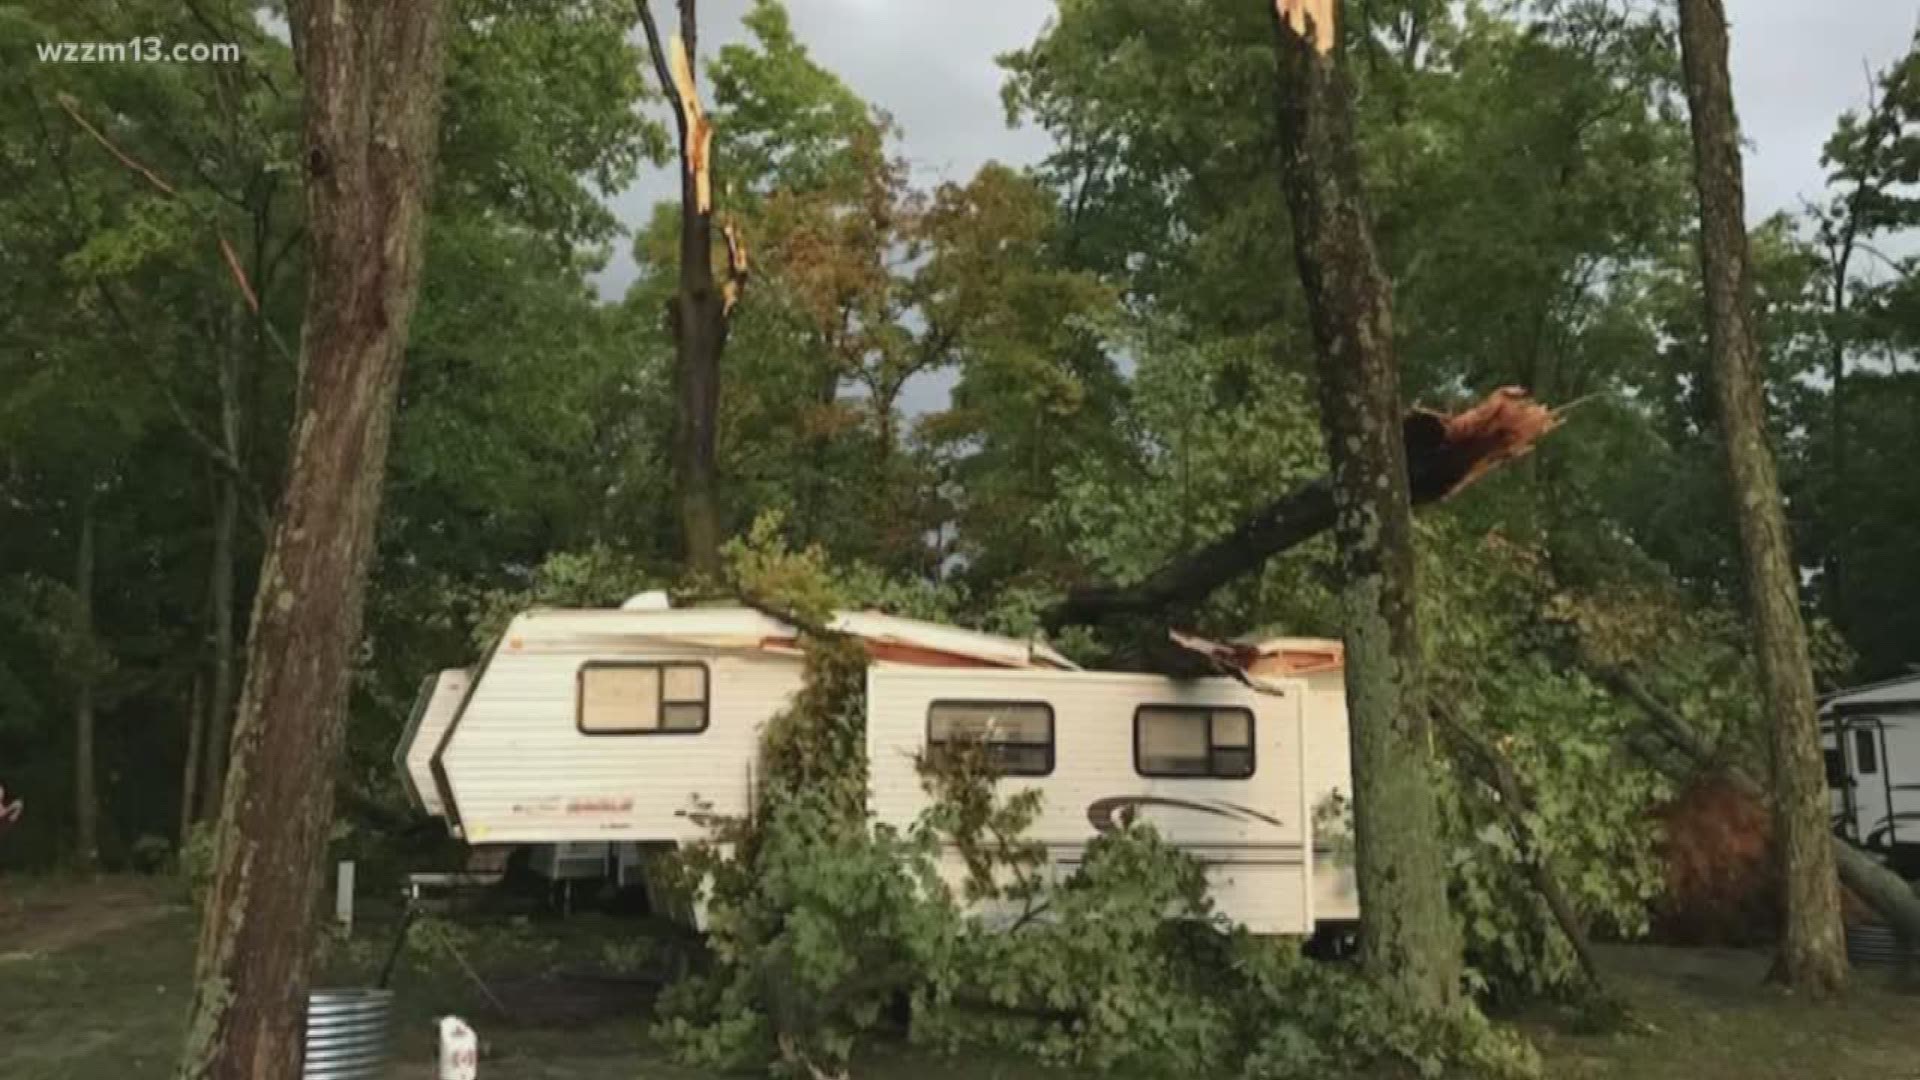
[372, 73]
[1813, 952]
[701, 311]
[86, 803]
[1411, 943]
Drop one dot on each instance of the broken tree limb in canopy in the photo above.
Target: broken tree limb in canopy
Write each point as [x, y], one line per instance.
[1445, 454]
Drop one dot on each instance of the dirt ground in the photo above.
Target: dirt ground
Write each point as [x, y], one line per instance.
[94, 977]
[41, 917]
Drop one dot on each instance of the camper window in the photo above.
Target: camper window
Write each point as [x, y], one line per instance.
[642, 699]
[1866, 759]
[1193, 741]
[1018, 734]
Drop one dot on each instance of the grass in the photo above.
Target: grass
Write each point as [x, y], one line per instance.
[1706, 1014]
[101, 998]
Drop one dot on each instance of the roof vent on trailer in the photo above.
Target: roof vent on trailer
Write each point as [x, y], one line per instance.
[657, 600]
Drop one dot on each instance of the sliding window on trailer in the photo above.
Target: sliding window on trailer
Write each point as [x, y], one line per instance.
[1017, 735]
[1193, 742]
[642, 698]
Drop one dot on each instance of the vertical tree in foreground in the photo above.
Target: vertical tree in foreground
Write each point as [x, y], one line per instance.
[1813, 949]
[372, 73]
[701, 311]
[1411, 944]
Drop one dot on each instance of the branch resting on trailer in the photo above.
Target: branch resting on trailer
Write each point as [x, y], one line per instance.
[1445, 454]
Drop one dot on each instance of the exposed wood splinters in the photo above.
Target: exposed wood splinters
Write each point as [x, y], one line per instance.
[738, 269]
[699, 128]
[1311, 19]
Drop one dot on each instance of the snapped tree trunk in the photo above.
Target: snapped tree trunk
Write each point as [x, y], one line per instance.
[86, 800]
[372, 71]
[701, 311]
[1410, 945]
[1813, 944]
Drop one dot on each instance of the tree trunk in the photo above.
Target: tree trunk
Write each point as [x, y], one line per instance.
[700, 313]
[1835, 582]
[1813, 946]
[190, 766]
[220, 579]
[1410, 945]
[372, 71]
[86, 802]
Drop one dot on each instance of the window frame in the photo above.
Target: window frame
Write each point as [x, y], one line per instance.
[1213, 747]
[1053, 730]
[1866, 752]
[660, 706]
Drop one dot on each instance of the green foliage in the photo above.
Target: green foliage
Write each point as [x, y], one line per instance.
[1498, 671]
[984, 830]
[199, 857]
[816, 924]
[819, 919]
[1101, 980]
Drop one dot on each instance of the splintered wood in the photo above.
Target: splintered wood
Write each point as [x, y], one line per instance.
[1446, 453]
[737, 268]
[1311, 19]
[1507, 425]
[699, 128]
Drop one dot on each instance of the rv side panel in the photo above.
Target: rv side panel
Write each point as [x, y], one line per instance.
[1253, 831]
[439, 703]
[1329, 768]
[520, 769]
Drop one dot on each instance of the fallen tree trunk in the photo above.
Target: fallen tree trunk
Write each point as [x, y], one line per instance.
[1491, 766]
[1445, 454]
[1886, 892]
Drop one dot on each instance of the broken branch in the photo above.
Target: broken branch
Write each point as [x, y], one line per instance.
[737, 268]
[1490, 764]
[1445, 454]
[72, 109]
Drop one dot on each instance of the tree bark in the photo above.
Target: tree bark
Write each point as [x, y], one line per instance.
[190, 765]
[1813, 945]
[86, 800]
[1411, 944]
[372, 71]
[220, 584]
[701, 311]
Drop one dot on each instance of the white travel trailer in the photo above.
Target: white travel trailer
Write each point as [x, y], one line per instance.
[1872, 739]
[619, 727]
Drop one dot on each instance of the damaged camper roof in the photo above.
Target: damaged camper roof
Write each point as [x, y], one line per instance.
[888, 637]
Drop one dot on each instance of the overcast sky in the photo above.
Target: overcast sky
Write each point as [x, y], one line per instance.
[1796, 65]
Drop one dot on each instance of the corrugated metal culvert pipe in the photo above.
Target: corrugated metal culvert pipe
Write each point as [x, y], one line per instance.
[346, 1034]
[1873, 944]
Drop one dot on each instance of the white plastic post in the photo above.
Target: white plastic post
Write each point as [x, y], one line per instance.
[343, 896]
[459, 1050]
